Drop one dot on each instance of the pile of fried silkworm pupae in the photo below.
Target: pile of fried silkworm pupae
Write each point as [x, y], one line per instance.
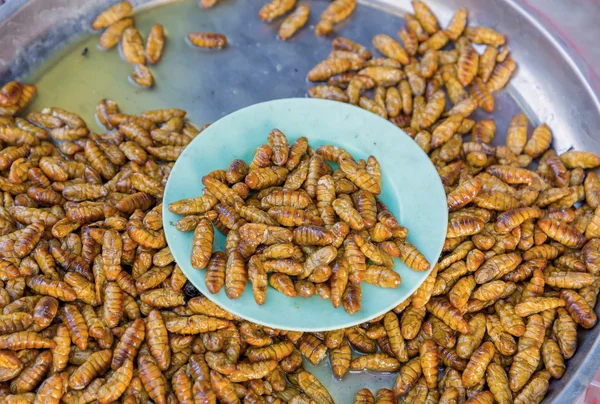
[302, 220]
[94, 309]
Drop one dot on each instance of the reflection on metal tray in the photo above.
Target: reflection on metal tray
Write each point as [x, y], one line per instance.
[257, 67]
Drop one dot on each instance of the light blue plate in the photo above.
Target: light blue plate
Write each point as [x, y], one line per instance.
[411, 189]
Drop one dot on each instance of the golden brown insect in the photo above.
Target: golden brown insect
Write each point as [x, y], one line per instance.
[569, 280]
[129, 344]
[553, 358]
[352, 298]
[142, 76]
[457, 24]
[275, 8]
[208, 40]
[155, 43]
[360, 176]
[425, 17]
[429, 362]
[328, 68]
[76, 325]
[46, 286]
[436, 42]
[408, 376]
[390, 48]
[25, 340]
[364, 396]
[192, 206]
[573, 159]
[328, 93]
[96, 364]
[51, 390]
[442, 309]
[478, 364]
[524, 364]
[468, 62]
[562, 232]
[132, 46]
[377, 362]
[202, 244]
[112, 14]
[412, 257]
[33, 374]
[432, 110]
[116, 383]
[410, 41]
[336, 12]
[539, 142]
[501, 74]
[484, 98]
[578, 308]
[372, 106]
[384, 76]
[235, 275]
[537, 304]
[293, 22]
[484, 35]
[464, 226]
[382, 276]
[112, 34]
[10, 93]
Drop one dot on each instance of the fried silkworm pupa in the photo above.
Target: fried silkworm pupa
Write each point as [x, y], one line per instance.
[207, 40]
[275, 8]
[155, 43]
[293, 22]
[142, 76]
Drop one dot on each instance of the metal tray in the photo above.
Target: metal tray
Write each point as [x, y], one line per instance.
[45, 42]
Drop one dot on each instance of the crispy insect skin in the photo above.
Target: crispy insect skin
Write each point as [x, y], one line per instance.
[501, 74]
[96, 364]
[513, 218]
[429, 362]
[112, 34]
[457, 24]
[132, 46]
[442, 309]
[128, 345]
[293, 22]
[112, 14]
[336, 12]
[258, 278]
[408, 376]
[427, 19]
[360, 176]
[209, 40]
[235, 275]
[390, 48]
[275, 8]
[578, 308]
[352, 297]
[202, 244]
[155, 43]
[345, 44]
[562, 232]
[142, 76]
[478, 364]
[76, 324]
[45, 286]
[328, 68]
[463, 194]
[412, 257]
